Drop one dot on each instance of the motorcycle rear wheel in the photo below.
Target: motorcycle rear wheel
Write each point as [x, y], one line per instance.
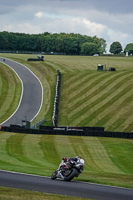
[72, 175]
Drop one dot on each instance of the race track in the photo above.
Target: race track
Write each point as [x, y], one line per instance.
[73, 188]
[29, 106]
[32, 94]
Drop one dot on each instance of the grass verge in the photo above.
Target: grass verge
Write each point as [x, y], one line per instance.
[16, 194]
[107, 160]
[10, 92]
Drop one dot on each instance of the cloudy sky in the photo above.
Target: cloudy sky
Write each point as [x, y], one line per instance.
[109, 19]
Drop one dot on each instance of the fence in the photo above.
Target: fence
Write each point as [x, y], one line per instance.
[56, 100]
[71, 132]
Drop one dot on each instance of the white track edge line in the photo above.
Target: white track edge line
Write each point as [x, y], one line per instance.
[22, 88]
[21, 92]
[98, 184]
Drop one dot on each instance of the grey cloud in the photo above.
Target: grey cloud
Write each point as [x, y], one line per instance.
[111, 6]
[114, 15]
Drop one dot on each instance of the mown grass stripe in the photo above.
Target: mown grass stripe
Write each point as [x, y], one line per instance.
[4, 84]
[123, 118]
[101, 97]
[32, 150]
[96, 156]
[5, 150]
[58, 66]
[1, 85]
[64, 147]
[94, 88]
[49, 151]
[14, 148]
[126, 123]
[120, 153]
[71, 78]
[11, 101]
[101, 157]
[106, 105]
[78, 90]
[51, 67]
[117, 112]
[129, 126]
[82, 79]
[11, 93]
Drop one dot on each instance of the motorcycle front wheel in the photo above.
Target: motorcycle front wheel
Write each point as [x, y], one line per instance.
[54, 175]
[73, 173]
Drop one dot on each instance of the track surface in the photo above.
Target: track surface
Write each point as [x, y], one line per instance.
[31, 97]
[73, 188]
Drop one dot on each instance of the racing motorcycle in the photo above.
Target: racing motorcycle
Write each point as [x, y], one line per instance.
[69, 170]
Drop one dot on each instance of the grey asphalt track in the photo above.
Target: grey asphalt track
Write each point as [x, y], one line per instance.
[73, 188]
[32, 94]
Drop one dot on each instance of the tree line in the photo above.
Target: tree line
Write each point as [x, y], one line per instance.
[62, 43]
[116, 48]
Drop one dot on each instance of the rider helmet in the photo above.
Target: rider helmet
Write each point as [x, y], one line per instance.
[65, 159]
[78, 157]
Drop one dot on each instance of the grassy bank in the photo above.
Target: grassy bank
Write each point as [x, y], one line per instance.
[10, 92]
[88, 97]
[47, 77]
[107, 160]
[16, 194]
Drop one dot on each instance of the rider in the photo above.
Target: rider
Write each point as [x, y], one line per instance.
[77, 160]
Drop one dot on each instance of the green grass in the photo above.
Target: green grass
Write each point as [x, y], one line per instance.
[47, 76]
[10, 92]
[17, 194]
[88, 97]
[107, 160]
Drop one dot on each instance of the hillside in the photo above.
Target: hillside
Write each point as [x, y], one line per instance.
[88, 97]
[107, 160]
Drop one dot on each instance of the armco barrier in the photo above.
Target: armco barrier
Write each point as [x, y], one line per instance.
[56, 100]
[72, 128]
[35, 59]
[70, 132]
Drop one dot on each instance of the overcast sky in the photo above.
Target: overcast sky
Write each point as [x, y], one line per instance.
[109, 19]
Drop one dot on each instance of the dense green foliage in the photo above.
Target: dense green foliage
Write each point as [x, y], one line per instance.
[115, 48]
[89, 49]
[61, 43]
[129, 48]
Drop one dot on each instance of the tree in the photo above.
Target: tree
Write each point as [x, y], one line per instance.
[56, 42]
[102, 47]
[115, 48]
[89, 48]
[129, 48]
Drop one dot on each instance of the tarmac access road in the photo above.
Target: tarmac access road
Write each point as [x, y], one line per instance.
[32, 94]
[73, 188]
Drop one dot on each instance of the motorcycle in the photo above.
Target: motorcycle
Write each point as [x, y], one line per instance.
[69, 170]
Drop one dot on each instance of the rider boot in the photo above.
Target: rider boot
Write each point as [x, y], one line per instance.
[60, 175]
